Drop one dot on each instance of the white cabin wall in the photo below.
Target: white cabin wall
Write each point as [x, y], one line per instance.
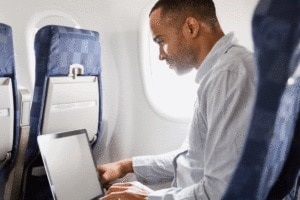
[236, 16]
[131, 126]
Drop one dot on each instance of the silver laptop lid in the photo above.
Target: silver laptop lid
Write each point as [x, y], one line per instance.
[70, 166]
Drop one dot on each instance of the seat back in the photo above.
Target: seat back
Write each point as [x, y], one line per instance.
[272, 137]
[287, 126]
[9, 109]
[67, 94]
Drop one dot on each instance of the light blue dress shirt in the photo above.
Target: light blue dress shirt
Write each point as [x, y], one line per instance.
[202, 167]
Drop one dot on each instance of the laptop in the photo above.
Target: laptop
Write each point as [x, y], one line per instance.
[69, 165]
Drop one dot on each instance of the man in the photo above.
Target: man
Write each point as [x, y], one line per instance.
[189, 36]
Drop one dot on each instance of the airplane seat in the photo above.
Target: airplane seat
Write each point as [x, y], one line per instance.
[9, 108]
[269, 165]
[67, 95]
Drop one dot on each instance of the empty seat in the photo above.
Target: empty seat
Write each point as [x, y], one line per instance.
[67, 94]
[9, 109]
[269, 165]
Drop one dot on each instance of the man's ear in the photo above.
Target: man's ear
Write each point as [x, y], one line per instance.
[191, 27]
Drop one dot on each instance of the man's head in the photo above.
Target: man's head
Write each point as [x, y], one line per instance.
[185, 30]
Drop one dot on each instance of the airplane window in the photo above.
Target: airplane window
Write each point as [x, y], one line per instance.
[50, 17]
[57, 20]
[173, 96]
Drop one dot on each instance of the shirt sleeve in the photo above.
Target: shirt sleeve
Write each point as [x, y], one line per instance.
[230, 96]
[154, 169]
[157, 169]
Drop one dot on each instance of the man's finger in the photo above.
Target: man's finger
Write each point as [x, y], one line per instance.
[127, 184]
[114, 196]
[115, 189]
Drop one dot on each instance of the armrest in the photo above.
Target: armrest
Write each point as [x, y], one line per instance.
[24, 96]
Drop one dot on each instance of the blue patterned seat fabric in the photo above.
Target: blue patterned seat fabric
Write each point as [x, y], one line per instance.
[287, 126]
[56, 48]
[7, 69]
[269, 165]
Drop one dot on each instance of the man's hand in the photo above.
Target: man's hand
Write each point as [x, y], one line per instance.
[112, 171]
[127, 191]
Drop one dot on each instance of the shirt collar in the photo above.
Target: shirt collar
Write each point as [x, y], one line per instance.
[218, 49]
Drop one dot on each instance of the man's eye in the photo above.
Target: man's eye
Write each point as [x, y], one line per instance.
[160, 42]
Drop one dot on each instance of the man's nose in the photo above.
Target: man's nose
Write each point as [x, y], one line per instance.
[162, 54]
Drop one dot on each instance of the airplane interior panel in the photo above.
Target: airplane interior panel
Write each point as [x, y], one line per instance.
[110, 67]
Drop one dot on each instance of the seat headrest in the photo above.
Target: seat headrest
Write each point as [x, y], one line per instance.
[7, 62]
[62, 46]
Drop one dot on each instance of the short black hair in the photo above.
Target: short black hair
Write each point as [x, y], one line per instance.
[203, 10]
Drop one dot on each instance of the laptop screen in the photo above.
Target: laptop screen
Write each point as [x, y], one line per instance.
[69, 165]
